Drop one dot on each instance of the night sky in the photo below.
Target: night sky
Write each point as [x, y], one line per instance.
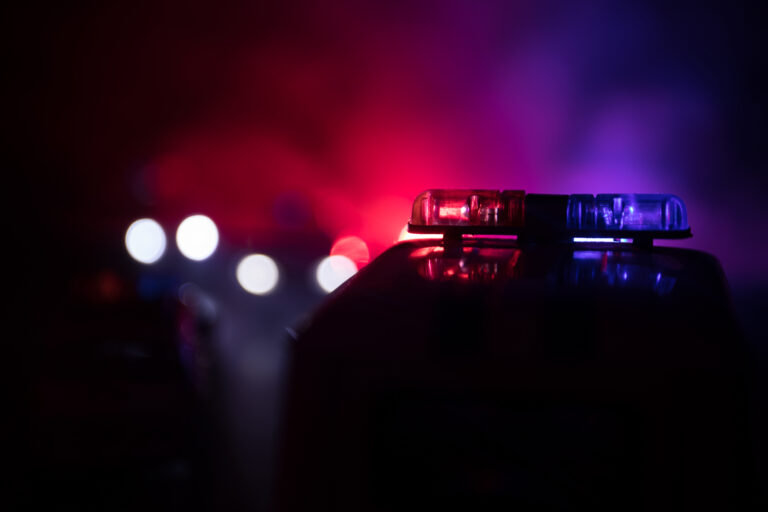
[330, 118]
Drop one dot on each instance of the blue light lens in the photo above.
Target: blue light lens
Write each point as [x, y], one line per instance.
[627, 212]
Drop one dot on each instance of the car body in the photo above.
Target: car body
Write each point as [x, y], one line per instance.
[493, 373]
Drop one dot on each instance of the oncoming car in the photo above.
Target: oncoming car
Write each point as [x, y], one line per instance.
[542, 354]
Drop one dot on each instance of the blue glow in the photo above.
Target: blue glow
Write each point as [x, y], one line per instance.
[619, 270]
[587, 255]
[601, 240]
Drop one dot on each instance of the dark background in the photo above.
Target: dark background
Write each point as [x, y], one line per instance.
[291, 124]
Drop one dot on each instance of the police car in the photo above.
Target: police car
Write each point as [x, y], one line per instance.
[542, 354]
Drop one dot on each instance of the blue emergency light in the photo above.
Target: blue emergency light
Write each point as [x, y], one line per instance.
[619, 217]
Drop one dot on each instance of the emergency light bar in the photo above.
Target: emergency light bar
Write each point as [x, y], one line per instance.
[549, 216]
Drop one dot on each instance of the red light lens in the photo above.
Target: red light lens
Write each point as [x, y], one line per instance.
[469, 208]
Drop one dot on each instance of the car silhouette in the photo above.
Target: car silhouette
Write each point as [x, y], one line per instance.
[507, 366]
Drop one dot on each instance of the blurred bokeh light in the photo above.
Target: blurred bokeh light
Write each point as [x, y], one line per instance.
[352, 247]
[145, 241]
[332, 271]
[197, 237]
[257, 274]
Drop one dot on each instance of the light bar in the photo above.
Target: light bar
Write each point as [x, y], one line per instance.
[549, 216]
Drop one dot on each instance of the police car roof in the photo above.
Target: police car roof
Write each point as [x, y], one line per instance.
[423, 294]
